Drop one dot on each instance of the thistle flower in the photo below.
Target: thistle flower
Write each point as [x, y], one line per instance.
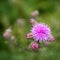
[33, 21]
[6, 34]
[34, 46]
[35, 13]
[41, 32]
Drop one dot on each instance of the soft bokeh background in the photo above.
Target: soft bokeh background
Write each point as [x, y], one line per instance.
[11, 10]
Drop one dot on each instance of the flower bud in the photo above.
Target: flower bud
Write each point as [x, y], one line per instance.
[34, 46]
[35, 13]
[29, 35]
[6, 34]
[33, 21]
[51, 38]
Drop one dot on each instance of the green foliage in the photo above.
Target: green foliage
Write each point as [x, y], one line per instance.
[11, 10]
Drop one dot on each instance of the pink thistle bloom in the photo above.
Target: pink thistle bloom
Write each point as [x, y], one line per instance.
[41, 32]
[35, 13]
[33, 21]
[6, 34]
[34, 46]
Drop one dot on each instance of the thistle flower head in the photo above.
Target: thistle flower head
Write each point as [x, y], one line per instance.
[33, 21]
[35, 13]
[40, 32]
[6, 34]
[34, 46]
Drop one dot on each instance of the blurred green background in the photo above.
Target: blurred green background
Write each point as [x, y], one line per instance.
[11, 10]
